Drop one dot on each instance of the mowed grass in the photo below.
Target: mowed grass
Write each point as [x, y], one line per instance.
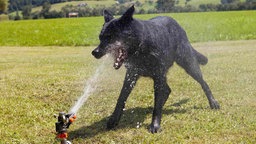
[200, 27]
[37, 82]
[59, 32]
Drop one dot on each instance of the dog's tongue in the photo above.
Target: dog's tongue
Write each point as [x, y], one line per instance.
[120, 59]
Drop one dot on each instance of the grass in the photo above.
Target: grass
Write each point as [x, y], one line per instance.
[37, 82]
[200, 27]
[38, 78]
[50, 32]
[32, 89]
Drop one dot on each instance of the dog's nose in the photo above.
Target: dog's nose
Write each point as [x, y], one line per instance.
[96, 53]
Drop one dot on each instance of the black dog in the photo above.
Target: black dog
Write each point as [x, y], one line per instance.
[149, 48]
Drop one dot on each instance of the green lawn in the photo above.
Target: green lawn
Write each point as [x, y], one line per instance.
[37, 82]
[200, 27]
[61, 32]
[44, 65]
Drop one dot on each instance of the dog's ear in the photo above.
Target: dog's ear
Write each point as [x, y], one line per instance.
[107, 16]
[127, 16]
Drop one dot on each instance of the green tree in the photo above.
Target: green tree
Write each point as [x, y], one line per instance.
[165, 5]
[3, 6]
[45, 9]
[186, 2]
[26, 11]
[253, 1]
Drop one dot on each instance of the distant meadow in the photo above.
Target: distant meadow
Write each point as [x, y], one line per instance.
[200, 27]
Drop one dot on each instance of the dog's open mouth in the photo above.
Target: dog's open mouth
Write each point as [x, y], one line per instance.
[119, 58]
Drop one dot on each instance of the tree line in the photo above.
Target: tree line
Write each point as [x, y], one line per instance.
[83, 10]
[225, 5]
[15, 5]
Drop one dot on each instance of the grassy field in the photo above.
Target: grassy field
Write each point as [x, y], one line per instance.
[42, 73]
[59, 32]
[37, 82]
[200, 27]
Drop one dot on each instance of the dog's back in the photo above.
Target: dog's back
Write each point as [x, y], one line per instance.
[164, 37]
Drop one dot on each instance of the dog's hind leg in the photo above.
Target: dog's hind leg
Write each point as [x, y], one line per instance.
[129, 82]
[187, 60]
[162, 92]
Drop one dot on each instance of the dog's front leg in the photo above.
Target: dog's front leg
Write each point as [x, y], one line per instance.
[129, 82]
[162, 91]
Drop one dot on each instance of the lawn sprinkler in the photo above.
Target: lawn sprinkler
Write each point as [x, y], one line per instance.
[62, 125]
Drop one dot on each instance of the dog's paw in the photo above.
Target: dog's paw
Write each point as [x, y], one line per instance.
[214, 104]
[154, 128]
[112, 123]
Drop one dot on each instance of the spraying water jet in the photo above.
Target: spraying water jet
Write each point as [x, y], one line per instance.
[65, 120]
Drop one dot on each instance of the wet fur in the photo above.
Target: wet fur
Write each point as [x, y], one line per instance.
[152, 47]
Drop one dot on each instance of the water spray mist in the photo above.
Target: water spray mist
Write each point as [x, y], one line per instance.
[64, 120]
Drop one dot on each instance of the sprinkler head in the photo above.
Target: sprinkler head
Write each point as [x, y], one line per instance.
[62, 125]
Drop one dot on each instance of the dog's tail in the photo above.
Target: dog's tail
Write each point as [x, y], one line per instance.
[203, 60]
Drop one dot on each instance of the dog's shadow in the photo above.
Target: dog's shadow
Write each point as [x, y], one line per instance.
[130, 119]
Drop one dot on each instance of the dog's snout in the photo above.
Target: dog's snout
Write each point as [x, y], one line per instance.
[97, 53]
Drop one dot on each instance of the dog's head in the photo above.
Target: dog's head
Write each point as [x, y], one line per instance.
[116, 37]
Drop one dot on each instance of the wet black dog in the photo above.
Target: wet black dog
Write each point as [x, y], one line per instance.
[149, 48]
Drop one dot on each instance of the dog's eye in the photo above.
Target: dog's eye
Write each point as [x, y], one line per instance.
[106, 38]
